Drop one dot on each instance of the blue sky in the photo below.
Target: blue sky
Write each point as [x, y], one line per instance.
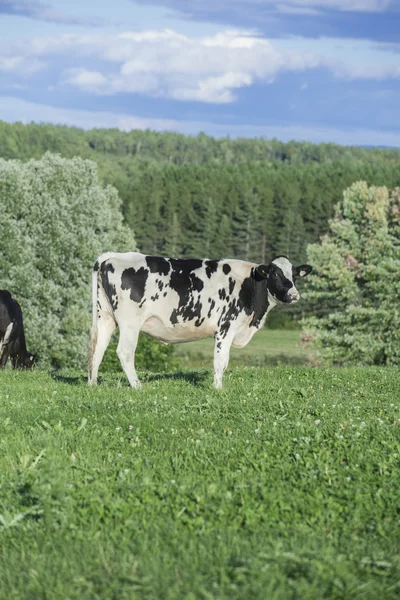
[316, 70]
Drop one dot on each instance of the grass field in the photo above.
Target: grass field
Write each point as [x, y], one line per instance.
[268, 347]
[284, 485]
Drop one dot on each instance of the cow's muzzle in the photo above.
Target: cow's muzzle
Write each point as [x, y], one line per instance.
[292, 297]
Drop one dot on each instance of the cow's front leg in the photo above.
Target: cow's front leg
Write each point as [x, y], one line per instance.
[126, 348]
[222, 348]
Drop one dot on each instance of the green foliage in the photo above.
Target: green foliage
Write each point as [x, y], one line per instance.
[56, 218]
[356, 288]
[283, 485]
[200, 196]
[150, 355]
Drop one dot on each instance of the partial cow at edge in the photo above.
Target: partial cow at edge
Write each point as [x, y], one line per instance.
[180, 300]
[12, 335]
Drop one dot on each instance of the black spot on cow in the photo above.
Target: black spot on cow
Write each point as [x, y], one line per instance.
[221, 316]
[164, 294]
[211, 307]
[253, 298]
[229, 316]
[200, 322]
[160, 285]
[226, 269]
[187, 285]
[222, 294]
[135, 281]
[96, 266]
[211, 267]
[109, 287]
[198, 284]
[158, 264]
[155, 297]
[185, 264]
[231, 284]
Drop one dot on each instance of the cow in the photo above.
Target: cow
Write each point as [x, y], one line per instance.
[12, 336]
[180, 300]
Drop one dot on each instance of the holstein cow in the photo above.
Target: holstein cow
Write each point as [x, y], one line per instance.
[12, 336]
[180, 300]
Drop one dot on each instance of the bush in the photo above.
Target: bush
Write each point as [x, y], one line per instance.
[355, 288]
[56, 219]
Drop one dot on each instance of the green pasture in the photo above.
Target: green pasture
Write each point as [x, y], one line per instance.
[268, 347]
[284, 485]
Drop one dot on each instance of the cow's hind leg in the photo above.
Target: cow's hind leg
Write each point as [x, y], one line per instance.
[4, 354]
[100, 338]
[128, 340]
[222, 349]
[5, 345]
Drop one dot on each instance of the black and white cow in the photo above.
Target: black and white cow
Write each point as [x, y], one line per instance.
[12, 336]
[179, 300]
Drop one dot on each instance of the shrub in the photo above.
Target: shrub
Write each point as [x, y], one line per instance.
[56, 219]
[355, 289]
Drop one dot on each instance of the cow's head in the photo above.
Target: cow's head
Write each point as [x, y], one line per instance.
[281, 276]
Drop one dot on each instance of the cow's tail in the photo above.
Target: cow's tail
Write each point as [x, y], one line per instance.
[93, 332]
[100, 304]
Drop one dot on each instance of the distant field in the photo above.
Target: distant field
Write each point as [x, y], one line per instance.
[268, 347]
[284, 485]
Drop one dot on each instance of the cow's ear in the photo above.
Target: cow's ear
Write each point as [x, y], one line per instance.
[302, 271]
[262, 271]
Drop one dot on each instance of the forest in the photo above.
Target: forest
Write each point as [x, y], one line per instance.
[200, 196]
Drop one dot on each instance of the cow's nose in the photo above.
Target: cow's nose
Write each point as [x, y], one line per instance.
[293, 296]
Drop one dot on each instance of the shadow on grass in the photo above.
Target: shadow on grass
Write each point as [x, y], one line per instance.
[76, 380]
[196, 378]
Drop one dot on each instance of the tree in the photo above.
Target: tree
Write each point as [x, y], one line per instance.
[356, 288]
[56, 219]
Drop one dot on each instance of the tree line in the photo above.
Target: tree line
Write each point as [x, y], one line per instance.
[200, 196]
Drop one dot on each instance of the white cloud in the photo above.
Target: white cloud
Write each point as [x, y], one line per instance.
[14, 109]
[214, 89]
[172, 65]
[205, 69]
[20, 65]
[83, 78]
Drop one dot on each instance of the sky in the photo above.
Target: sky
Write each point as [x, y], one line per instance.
[314, 70]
